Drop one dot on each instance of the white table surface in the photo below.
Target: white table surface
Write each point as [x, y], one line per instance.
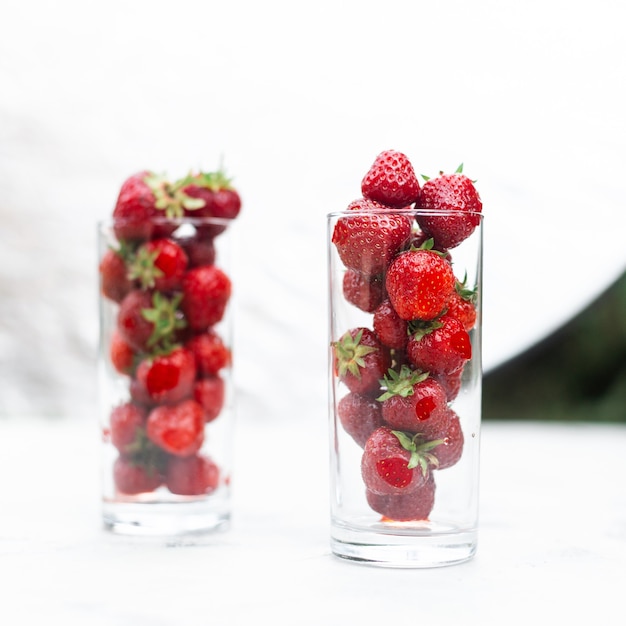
[552, 539]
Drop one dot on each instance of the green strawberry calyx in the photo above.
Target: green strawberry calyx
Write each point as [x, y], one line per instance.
[401, 383]
[166, 318]
[171, 197]
[143, 268]
[351, 354]
[470, 295]
[420, 449]
[418, 329]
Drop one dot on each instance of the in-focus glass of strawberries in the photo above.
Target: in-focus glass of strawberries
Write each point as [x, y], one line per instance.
[165, 365]
[405, 271]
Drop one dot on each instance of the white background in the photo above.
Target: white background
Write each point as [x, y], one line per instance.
[298, 98]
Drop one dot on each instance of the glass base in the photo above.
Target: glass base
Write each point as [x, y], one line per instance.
[403, 545]
[164, 519]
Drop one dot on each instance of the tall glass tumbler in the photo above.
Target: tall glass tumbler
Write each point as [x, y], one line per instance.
[166, 394]
[405, 381]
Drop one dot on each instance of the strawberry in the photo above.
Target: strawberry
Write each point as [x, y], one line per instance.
[121, 354]
[450, 450]
[135, 208]
[177, 429]
[449, 193]
[462, 305]
[413, 506]
[206, 291]
[360, 416]
[114, 281]
[200, 249]
[158, 264]
[147, 320]
[209, 393]
[126, 422]
[360, 360]
[451, 382]
[368, 241]
[414, 402]
[389, 327]
[192, 476]
[440, 347]
[133, 477]
[395, 462]
[168, 378]
[364, 292]
[419, 284]
[391, 180]
[210, 353]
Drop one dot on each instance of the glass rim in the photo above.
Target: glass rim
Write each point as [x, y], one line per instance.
[406, 211]
[161, 220]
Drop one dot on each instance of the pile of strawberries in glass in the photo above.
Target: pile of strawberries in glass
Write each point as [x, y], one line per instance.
[403, 371]
[168, 295]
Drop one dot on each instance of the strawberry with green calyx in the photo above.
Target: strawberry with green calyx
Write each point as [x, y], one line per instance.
[149, 321]
[178, 429]
[360, 416]
[391, 180]
[389, 327]
[395, 462]
[414, 506]
[216, 193]
[133, 477]
[158, 264]
[167, 378]
[368, 241]
[462, 304]
[419, 284]
[449, 193]
[364, 292]
[360, 360]
[414, 402]
[126, 423]
[439, 347]
[210, 353]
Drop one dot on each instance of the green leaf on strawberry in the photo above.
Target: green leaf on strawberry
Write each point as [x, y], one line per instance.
[166, 319]
[401, 383]
[419, 449]
[351, 354]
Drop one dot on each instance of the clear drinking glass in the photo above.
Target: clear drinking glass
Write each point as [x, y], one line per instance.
[166, 397]
[404, 387]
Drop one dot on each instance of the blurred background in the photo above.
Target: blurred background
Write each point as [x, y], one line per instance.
[296, 100]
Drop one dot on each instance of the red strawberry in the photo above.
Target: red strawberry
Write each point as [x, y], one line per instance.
[114, 280]
[391, 180]
[368, 241]
[449, 193]
[210, 353]
[209, 393]
[462, 305]
[159, 264]
[393, 462]
[126, 422]
[192, 476]
[441, 347]
[168, 378]
[405, 507]
[389, 327]
[364, 292]
[121, 354]
[200, 249]
[419, 284]
[450, 450]
[415, 402]
[135, 208]
[177, 429]
[148, 320]
[132, 477]
[360, 360]
[360, 416]
[206, 291]
[451, 382]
